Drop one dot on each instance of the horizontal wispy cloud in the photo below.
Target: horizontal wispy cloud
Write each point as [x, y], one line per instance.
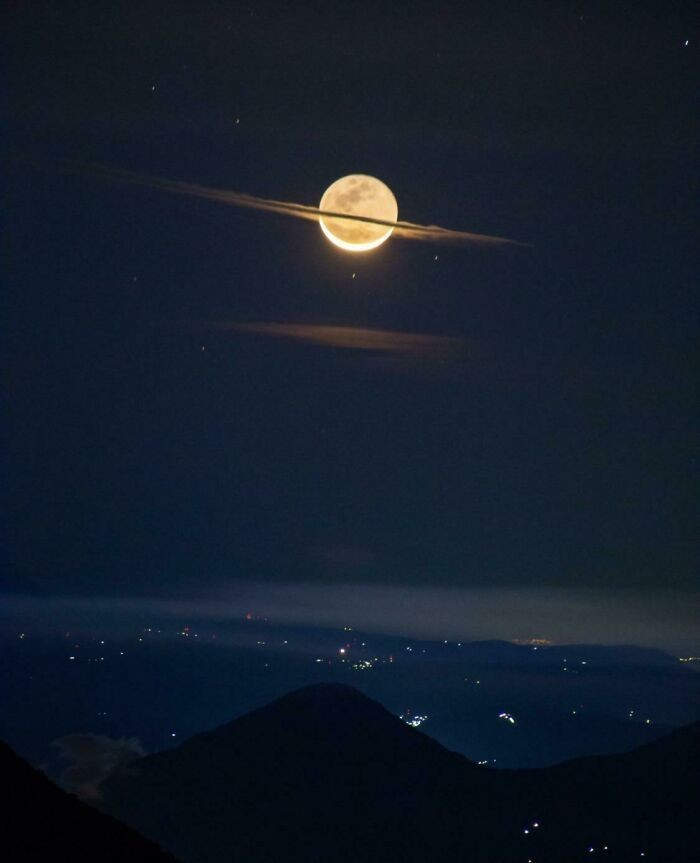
[354, 338]
[403, 230]
[564, 615]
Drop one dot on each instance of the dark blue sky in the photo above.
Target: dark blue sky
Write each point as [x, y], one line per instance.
[557, 449]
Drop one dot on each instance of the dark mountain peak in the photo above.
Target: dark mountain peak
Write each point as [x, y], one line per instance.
[331, 702]
[309, 758]
[322, 693]
[316, 720]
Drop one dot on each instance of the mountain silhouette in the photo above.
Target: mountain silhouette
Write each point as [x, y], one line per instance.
[325, 773]
[39, 822]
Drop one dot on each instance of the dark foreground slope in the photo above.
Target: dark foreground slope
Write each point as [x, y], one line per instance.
[325, 773]
[646, 801]
[39, 822]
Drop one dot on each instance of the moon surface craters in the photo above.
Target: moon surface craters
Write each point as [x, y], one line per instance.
[358, 195]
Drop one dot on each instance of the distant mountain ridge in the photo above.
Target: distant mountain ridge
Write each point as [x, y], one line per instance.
[326, 773]
[568, 701]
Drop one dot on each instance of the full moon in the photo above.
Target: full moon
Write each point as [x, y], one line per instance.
[358, 195]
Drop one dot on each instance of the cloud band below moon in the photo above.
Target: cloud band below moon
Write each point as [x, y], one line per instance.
[354, 338]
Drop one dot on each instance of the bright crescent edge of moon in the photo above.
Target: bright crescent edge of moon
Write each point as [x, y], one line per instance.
[358, 195]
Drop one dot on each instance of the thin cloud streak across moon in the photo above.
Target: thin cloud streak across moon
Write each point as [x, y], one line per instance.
[354, 338]
[404, 230]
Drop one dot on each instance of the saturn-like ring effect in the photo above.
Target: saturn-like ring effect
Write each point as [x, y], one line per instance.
[356, 213]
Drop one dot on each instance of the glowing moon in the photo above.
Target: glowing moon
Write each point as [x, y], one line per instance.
[358, 195]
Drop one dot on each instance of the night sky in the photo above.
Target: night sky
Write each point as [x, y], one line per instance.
[156, 448]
